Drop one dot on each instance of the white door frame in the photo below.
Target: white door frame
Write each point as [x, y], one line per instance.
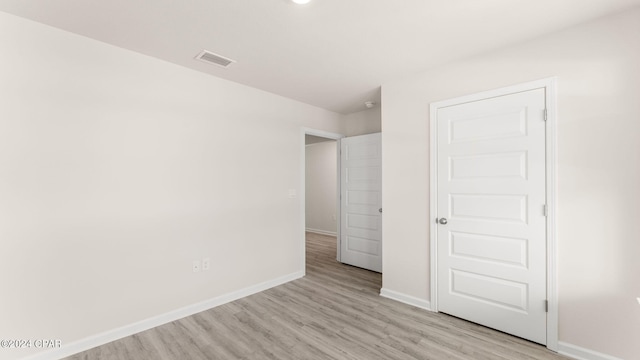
[549, 84]
[303, 161]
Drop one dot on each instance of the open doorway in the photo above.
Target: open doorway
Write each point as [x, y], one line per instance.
[321, 183]
[321, 186]
[342, 196]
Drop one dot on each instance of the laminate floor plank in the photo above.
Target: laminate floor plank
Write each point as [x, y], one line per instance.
[335, 312]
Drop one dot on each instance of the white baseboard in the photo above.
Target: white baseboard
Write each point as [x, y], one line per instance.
[407, 299]
[564, 348]
[581, 353]
[322, 232]
[128, 330]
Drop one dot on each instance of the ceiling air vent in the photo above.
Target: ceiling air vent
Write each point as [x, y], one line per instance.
[212, 58]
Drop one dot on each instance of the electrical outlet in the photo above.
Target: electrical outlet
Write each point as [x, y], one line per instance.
[206, 264]
[638, 300]
[196, 265]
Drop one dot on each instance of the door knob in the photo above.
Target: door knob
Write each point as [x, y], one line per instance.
[443, 221]
[380, 210]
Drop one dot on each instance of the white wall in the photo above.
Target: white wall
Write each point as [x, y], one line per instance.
[364, 122]
[117, 170]
[598, 69]
[321, 180]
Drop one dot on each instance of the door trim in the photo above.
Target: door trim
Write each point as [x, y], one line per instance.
[302, 186]
[549, 84]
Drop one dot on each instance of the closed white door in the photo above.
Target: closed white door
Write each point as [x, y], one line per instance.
[491, 240]
[361, 201]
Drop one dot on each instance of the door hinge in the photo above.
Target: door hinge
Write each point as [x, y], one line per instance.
[545, 210]
[546, 306]
[545, 114]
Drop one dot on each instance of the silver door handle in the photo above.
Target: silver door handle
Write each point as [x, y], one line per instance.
[442, 221]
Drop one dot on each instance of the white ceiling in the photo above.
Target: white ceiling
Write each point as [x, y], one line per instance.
[333, 54]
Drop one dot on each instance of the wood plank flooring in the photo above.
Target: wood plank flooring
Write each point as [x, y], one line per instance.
[334, 312]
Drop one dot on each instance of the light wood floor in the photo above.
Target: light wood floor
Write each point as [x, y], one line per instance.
[334, 312]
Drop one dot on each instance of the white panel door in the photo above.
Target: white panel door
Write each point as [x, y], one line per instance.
[491, 207]
[361, 201]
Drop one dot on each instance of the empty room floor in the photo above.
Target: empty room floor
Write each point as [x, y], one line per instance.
[334, 312]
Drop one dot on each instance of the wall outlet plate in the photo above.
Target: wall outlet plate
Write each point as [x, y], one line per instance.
[196, 266]
[206, 264]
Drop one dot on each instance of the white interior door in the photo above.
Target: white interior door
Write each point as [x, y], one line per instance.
[361, 201]
[491, 257]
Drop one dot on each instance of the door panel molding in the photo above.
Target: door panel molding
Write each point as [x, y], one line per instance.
[361, 201]
[549, 84]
